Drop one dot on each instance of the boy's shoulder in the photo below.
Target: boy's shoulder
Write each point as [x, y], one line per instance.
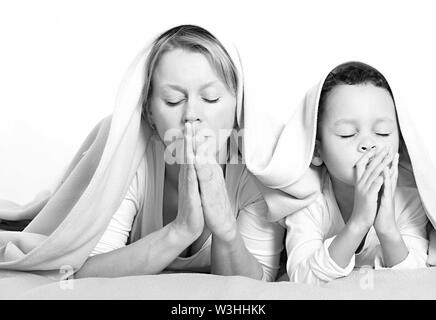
[317, 211]
[407, 198]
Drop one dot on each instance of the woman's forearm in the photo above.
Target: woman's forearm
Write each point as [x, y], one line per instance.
[149, 255]
[345, 244]
[230, 256]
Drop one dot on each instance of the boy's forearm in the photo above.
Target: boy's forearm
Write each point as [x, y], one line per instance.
[345, 244]
[393, 247]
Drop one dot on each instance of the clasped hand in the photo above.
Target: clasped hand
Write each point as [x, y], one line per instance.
[376, 181]
[203, 195]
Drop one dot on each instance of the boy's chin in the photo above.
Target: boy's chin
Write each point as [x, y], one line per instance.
[347, 181]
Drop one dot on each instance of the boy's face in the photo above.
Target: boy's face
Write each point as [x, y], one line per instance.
[356, 118]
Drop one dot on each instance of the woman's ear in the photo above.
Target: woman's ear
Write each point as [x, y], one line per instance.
[316, 158]
[150, 119]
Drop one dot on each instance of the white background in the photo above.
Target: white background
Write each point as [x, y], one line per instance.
[62, 61]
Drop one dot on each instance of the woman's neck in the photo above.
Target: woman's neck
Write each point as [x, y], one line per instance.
[172, 174]
[172, 170]
[344, 195]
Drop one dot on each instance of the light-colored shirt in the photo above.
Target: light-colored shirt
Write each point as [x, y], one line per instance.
[262, 238]
[311, 230]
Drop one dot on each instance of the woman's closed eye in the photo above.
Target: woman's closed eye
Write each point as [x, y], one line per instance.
[211, 100]
[174, 103]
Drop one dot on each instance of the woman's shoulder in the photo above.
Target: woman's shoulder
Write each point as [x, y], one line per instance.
[137, 184]
[243, 185]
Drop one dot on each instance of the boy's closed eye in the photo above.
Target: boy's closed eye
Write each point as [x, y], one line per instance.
[384, 127]
[387, 134]
[384, 130]
[346, 131]
[349, 135]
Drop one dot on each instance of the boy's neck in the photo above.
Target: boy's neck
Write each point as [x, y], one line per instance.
[344, 195]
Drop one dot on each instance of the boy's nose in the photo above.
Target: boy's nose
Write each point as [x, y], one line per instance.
[366, 145]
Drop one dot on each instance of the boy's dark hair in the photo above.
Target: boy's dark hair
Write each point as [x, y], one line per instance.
[351, 73]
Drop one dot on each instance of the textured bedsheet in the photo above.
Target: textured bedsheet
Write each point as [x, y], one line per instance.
[368, 284]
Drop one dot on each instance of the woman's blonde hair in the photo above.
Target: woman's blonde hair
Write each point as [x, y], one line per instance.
[196, 39]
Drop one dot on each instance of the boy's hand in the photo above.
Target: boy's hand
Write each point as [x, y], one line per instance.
[385, 222]
[368, 183]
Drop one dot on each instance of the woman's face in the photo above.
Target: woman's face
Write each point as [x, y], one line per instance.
[186, 88]
[356, 118]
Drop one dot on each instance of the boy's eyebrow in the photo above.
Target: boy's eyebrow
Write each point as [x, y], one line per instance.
[353, 121]
[345, 121]
[384, 119]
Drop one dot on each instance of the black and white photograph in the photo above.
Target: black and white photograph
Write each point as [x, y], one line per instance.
[236, 152]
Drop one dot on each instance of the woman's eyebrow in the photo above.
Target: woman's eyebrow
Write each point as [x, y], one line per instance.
[174, 87]
[181, 89]
[208, 84]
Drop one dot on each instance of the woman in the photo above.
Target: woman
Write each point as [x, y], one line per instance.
[161, 179]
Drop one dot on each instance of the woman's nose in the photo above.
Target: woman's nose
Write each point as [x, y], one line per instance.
[192, 112]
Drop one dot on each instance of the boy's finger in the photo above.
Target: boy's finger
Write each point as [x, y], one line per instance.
[387, 182]
[394, 177]
[376, 185]
[377, 171]
[363, 161]
[374, 163]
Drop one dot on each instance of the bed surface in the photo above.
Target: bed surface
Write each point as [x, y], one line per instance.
[368, 284]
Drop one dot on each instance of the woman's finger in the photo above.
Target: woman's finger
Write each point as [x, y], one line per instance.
[189, 144]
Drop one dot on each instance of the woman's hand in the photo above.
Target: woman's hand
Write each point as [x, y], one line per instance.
[190, 212]
[385, 222]
[217, 210]
[368, 184]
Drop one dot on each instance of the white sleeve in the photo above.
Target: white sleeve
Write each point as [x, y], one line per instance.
[263, 239]
[309, 259]
[412, 223]
[118, 230]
